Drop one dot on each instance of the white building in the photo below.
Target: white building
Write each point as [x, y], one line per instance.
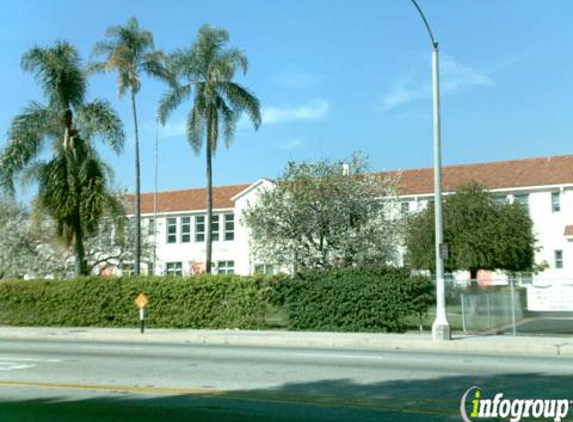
[544, 185]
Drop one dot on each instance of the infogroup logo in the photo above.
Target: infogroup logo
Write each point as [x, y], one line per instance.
[512, 409]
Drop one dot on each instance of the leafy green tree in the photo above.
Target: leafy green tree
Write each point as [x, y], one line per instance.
[481, 234]
[73, 182]
[318, 217]
[129, 50]
[207, 70]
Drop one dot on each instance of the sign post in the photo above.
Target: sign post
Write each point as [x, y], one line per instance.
[141, 303]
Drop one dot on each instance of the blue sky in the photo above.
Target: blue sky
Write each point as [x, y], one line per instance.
[333, 77]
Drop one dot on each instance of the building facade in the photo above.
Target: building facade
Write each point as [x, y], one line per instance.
[175, 220]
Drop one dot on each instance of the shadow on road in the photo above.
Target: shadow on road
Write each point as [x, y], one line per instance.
[436, 399]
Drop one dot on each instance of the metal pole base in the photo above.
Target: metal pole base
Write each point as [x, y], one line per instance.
[441, 332]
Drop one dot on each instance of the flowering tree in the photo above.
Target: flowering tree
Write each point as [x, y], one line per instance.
[29, 248]
[318, 215]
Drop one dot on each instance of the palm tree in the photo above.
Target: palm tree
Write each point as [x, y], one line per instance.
[129, 50]
[208, 69]
[73, 181]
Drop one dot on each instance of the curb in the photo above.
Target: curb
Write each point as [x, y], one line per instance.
[556, 347]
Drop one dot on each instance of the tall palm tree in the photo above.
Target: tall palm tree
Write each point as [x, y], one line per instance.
[73, 181]
[207, 69]
[129, 50]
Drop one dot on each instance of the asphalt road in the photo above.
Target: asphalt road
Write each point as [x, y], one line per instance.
[94, 381]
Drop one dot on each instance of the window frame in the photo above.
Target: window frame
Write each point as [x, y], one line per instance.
[226, 267]
[558, 260]
[170, 222]
[229, 233]
[404, 208]
[174, 268]
[555, 202]
[185, 229]
[200, 232]
[517, 198]
[151, 226]
[215, 228]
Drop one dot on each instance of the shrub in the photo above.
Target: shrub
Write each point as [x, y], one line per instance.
[373, 299]
[367, 299]
[206, 301]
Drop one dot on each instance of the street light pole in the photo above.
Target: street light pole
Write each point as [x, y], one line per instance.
[440, 327]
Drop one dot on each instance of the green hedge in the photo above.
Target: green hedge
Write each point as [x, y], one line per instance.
[372, 299]
[345, 300]
[222, 301]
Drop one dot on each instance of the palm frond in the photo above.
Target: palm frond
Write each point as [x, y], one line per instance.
[26, 135]
[99, 67]
[171, 100]
[98, 119]
[102, 48]
[182, 64]
[129, 49]
[196, 127]
[57, 71]
[229, 121]
[212, 121]
[229, 60]
[242, 100]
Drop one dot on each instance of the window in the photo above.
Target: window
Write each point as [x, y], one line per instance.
[174, 268]
[264, 269]
[500, 199]
[555, 201]
[523, 199]
[171, 229]
[131, 226]
[215, 228]
[226, 267]
[185, 229]
[558, 259]
[200, 228]
[151, 226]
[404, 208]
[127, 269]
[150, 269]
[229, 227]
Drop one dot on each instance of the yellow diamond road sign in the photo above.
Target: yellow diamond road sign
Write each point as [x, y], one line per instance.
[141, 301]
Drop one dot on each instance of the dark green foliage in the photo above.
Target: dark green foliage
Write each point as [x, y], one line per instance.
[73, 183]
[352, 299]
[346, 300]
[481, 234]
[223, 301]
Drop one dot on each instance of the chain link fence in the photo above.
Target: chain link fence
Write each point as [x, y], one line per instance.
[514, 306]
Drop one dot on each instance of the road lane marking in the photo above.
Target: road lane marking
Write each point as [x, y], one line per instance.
[8, 366]
[30, 360]
[393, 404]
[340, 356]
[113, 348]
[11, 364]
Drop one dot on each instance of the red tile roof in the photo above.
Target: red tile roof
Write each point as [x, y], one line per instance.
[496, 175]
[188, 199]
[568, 231]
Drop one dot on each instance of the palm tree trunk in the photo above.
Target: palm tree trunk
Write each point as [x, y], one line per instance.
[79, 250]
[208, 240]
[137, 253]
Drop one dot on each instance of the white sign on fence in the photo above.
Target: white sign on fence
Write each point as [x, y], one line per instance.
[551, 297]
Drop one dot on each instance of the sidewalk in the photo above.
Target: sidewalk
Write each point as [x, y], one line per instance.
[507, 345]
